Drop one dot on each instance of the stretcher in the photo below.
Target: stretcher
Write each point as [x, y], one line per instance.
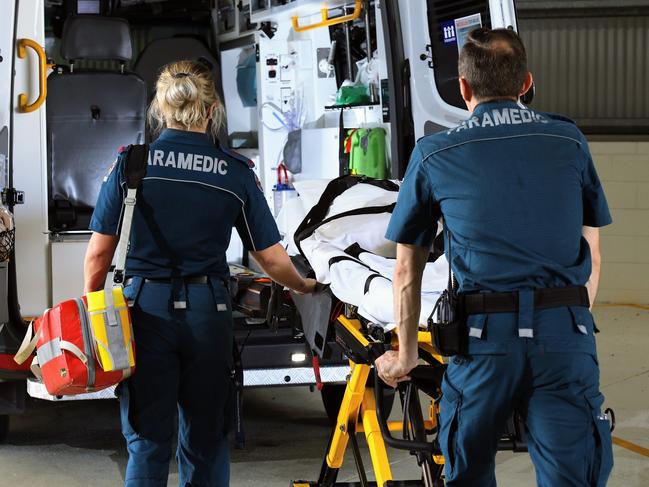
[341, 242]
[363, 411]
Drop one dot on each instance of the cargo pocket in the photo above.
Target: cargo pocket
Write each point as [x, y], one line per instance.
[601, 462]
[449, 427]
[125, 411]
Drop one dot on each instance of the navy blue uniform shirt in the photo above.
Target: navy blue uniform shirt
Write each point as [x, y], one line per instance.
[192, 196]
[515, 187]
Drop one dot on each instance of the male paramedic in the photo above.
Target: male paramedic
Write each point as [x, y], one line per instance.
[521, 199]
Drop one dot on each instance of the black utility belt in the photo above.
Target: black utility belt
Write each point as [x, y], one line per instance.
[448, 321]
[546, 298]
[169, 280]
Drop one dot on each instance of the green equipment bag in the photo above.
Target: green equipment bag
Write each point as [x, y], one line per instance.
[367, 154]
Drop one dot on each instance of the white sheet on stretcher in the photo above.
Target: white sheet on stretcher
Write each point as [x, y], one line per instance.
[348, 277]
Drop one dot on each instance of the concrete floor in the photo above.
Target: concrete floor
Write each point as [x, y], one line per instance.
[79, 444]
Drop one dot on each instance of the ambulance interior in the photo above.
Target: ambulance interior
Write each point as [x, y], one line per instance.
[312, 91]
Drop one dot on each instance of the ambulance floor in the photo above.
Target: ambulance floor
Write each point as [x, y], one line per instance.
[79, 444]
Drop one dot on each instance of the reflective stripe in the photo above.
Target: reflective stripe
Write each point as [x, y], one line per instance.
[475, 332]
[48, 351]
[110, 315]
[525, 333]
[583, 329]
[116, 349]
[487, 139]
[526, 313]
[94, 313]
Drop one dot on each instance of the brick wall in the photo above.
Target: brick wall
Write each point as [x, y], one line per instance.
[623, 168]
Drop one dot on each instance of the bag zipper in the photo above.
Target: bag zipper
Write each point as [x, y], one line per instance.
[87, 343]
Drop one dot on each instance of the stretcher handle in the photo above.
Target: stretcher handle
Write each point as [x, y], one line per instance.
[326, 21]
[390, 440]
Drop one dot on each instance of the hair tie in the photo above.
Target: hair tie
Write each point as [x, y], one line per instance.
[181, 75]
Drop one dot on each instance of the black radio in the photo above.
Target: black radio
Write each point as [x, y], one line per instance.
[447, 322]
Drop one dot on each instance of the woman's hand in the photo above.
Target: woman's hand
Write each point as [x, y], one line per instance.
[278, 265]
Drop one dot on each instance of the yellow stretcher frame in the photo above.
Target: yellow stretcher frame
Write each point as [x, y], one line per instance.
[358, 414]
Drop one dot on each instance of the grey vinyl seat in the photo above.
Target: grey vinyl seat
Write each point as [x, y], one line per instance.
[90, 115]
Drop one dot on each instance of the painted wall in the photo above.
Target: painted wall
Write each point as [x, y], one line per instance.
[623, 168]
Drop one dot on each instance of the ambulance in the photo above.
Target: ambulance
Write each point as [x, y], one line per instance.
[313, 89]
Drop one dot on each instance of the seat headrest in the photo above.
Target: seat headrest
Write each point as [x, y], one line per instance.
[95, 37]
[167, 50]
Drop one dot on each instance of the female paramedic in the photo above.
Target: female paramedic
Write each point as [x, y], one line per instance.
[193, 194]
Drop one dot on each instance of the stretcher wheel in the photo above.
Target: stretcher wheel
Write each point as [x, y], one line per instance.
[4, 427]
[332, 397]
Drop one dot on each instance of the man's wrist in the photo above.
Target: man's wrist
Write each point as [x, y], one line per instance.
[408, 359]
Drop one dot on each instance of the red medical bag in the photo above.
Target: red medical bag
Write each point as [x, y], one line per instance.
[65, 353]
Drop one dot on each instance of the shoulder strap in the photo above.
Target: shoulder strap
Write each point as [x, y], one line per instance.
[134, 172]
[135, 164]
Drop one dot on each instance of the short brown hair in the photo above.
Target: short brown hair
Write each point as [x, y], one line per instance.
[494, 63]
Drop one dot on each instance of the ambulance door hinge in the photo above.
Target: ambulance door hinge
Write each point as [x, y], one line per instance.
[12, 197]
[428, 55]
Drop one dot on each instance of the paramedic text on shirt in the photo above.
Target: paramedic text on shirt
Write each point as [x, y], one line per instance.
[192, 196]
[519, 193]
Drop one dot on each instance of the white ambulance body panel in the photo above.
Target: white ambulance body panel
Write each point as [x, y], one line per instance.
[29, 170]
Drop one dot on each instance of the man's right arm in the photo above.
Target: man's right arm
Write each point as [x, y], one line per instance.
[411, 262]
[591, 234]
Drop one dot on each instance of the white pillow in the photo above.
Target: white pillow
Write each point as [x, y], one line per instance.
[289, 218]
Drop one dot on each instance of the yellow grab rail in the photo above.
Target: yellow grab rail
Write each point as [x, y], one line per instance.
[23, 104]
[326, 21]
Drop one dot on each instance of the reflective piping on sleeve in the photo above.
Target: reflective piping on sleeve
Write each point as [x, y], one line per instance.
[243, 205]
[486, 139]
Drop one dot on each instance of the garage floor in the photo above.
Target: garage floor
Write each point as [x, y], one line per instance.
[79, 444]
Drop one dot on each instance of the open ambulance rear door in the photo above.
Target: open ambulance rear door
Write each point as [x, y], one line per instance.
[433, 32]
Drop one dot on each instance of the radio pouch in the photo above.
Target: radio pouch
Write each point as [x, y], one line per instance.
[447, 323]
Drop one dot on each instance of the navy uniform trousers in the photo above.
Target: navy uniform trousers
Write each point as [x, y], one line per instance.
[550, 374]
[183, 365]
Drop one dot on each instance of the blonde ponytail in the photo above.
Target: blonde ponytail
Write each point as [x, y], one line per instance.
[185, 93]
